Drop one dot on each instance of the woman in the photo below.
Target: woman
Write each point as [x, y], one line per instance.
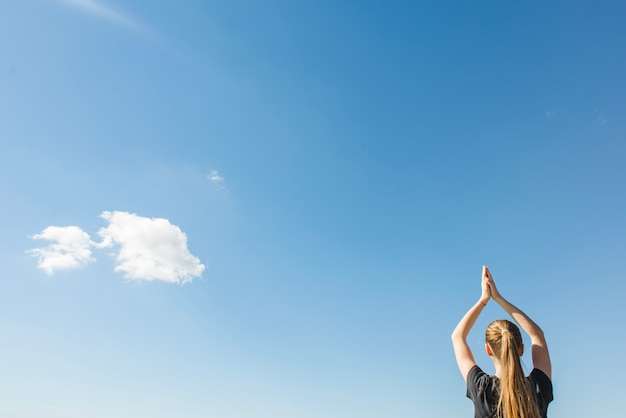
[508, 394]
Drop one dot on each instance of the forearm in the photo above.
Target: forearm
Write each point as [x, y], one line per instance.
[527, 324]
[462, 351]
[469, 319]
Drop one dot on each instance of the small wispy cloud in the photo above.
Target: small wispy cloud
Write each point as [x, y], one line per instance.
[102, 11]
[144, 248]
[70, 249]
[215, 178]
[550, 114]
[600, 118]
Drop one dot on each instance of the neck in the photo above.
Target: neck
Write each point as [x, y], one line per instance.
[498, 369]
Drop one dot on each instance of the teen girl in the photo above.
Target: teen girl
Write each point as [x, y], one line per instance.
[508, 394]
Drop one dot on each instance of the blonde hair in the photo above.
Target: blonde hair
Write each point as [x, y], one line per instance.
[517, 400]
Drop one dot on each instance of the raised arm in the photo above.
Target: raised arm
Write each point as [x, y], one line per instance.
[540, 354]
[462, 351]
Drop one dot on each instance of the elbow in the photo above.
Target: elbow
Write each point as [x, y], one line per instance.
[538, 334]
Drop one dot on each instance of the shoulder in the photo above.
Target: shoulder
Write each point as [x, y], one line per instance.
[475, 373]
[483, 390]
[538, 377]
[478, 382]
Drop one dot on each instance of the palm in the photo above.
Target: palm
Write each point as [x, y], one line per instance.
[493, 290]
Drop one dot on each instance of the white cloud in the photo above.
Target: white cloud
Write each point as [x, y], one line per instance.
[215, 177]
[149, 248]
[144, 248]
[550, 114]
[70, 249]
[102, 11]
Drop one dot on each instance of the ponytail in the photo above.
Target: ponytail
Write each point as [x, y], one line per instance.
[517, 400]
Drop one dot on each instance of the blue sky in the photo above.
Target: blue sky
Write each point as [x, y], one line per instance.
[281, 209]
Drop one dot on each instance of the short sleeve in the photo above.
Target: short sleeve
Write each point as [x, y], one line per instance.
[475, 382]
[543, 388]
[481, 389]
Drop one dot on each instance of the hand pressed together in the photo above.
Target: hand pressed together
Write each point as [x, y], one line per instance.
[491, 285]
[486, 290]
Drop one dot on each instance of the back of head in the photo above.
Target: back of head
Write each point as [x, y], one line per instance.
[516, 397]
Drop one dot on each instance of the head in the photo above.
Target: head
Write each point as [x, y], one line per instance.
[504, 346]
[503, 335]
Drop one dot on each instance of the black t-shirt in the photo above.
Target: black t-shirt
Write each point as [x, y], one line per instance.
[484, 391]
